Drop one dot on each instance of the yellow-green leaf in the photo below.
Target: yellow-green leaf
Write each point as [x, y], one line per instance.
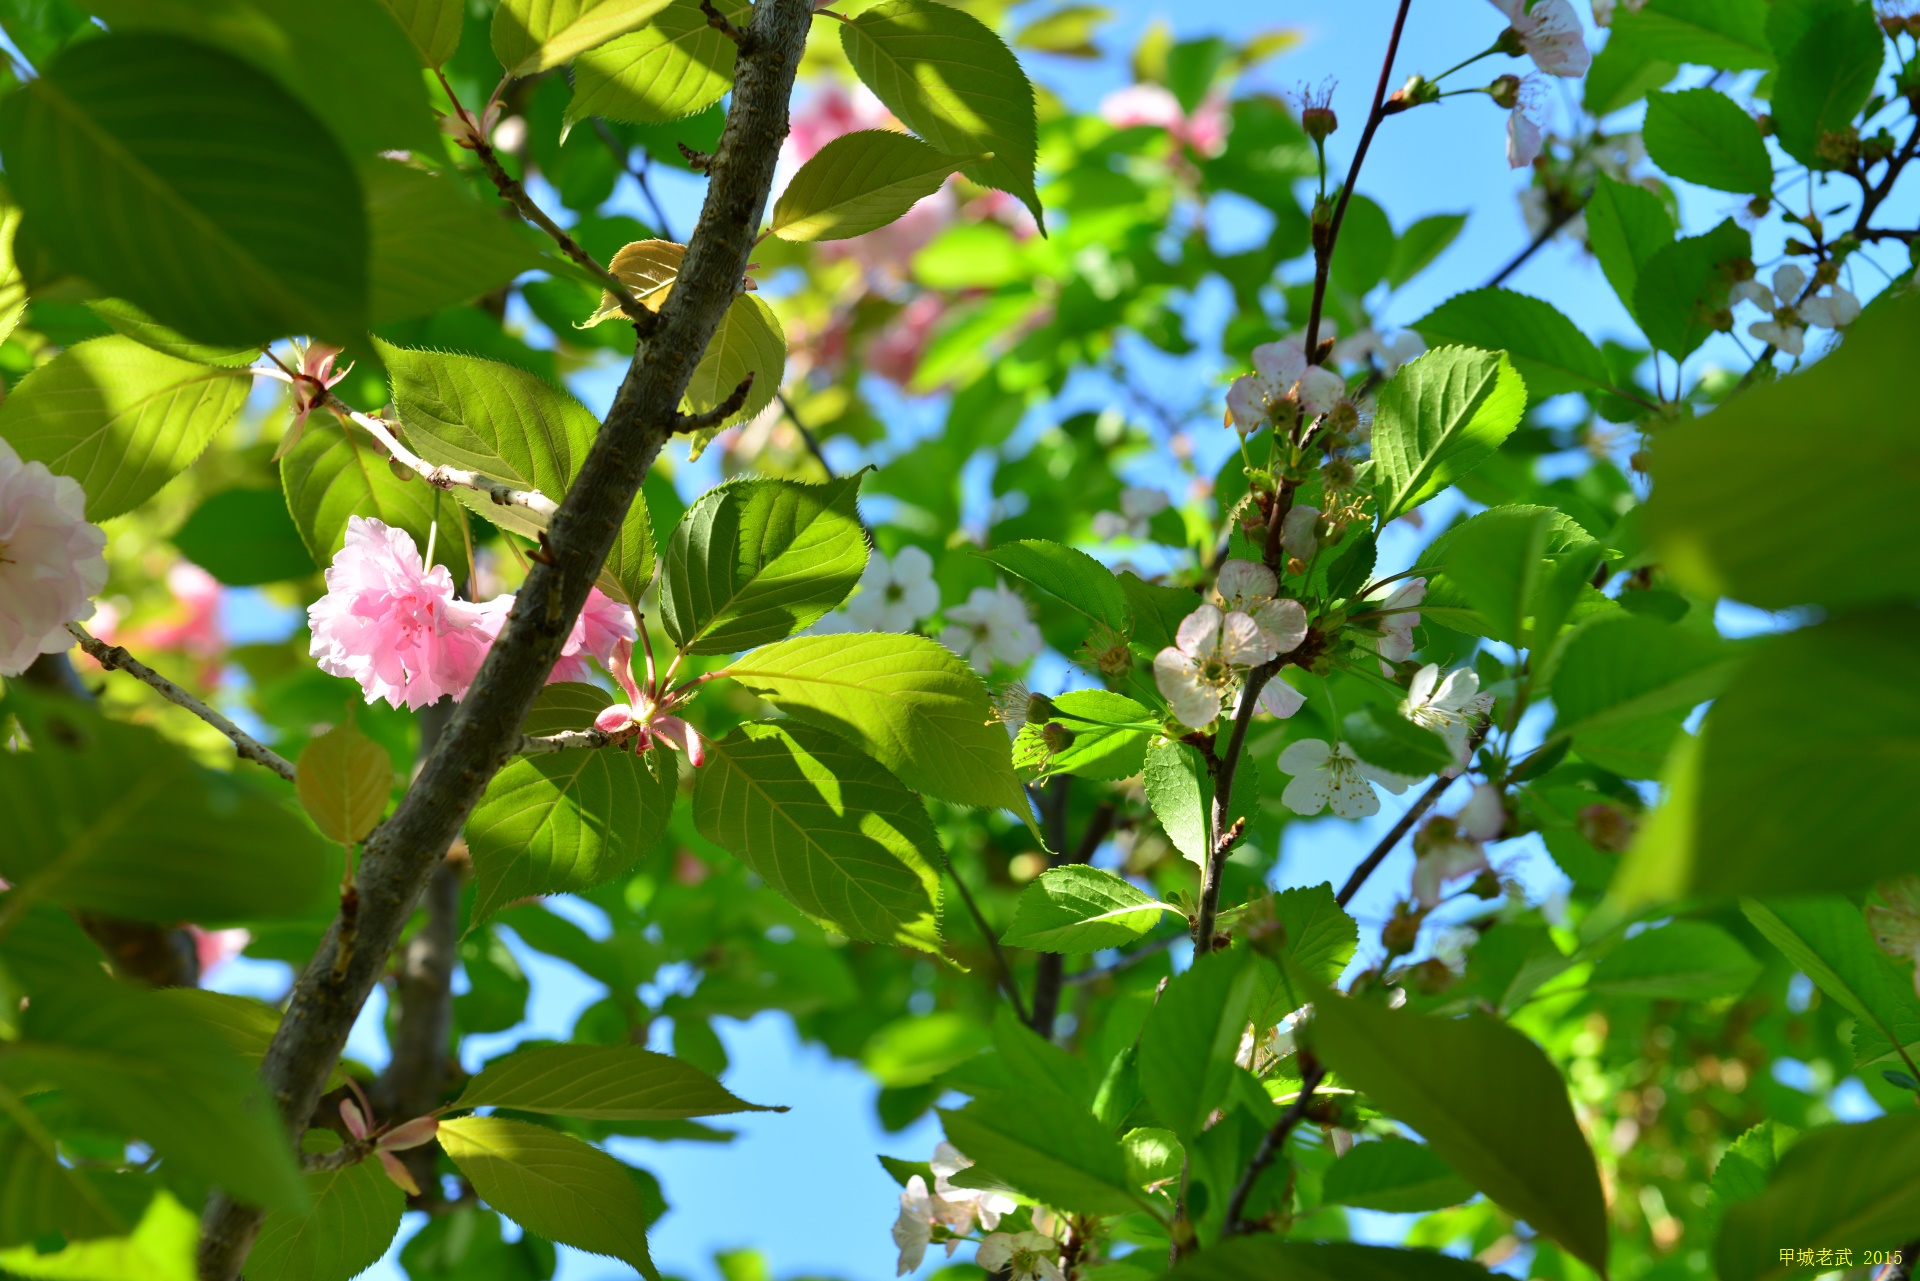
[343, 779]
[531, 36]
[859, 182]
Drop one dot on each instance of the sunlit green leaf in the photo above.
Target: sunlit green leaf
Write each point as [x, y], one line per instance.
[1081, 909]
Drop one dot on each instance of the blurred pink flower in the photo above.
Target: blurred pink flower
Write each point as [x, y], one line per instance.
[391, 624]
[213, 948]
[193, 628]
[1148, 104]
[602, 625]
[895, 352]
[890, 249]
[50, 560]
[827, 115]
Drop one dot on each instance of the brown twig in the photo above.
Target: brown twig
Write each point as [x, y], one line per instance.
[1560, 218]
[1050, 970]
[116, 658]
[1323, 258]
[402, 855]
[719, 413]
[1311, 1074]
[1373, 860]
[1005, 971]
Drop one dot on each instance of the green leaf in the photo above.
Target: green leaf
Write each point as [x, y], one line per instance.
[1365, 248]
[857, 183]
[1548, 351]
[1828, 939]
[674, 66]
[1854, 1183]
[1681, 961]
[1810, 748]
[110, 817]
[1496, 561]
[1098, 749]
[1488, 1101]
[160, 1248]
[748, 344]
[601, 1083]
[1626, 225]
[1722, 523]
[40, 1195]
[1743, 1170]
[1157, 611]
[1176, 786]
[1703, 136]
[1396, 1177]
[906, 701]
[1729, 35]
[335, 473]
[356, 1213]
[552, 1184]
[1191, 1037]
[1153, 1155]
[914, 1050]
[1830, 55]
[151, 1069]
[1047, 1147]
[1380, 736]
[951, 80]
[506, 423]
[1681, 296]
[1078, 909]
[432, 25]
[169, 169]
[1420, 244]
[433, 245]
[1320, 937]
[133, 323]
[13, 285]
[1037, 1063]
[1069, 574]
[828, 828]
[1623, 72]
[564, 821]
[243, 537]
[531, 36]
[1438, 418]
[120, 418]
[754, 561]
[1269, 1258]
[349, 61]
[1621, 667]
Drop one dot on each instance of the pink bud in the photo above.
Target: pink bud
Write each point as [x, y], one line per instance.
[410, 1135]
[397, 1171]
[612, 720]
[356, 1123]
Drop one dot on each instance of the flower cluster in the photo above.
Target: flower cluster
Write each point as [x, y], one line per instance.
[1281, 387]
[1214, 646]
[953, 1210]
[51, 561]
[894, 594]
[393, 625]
[1138, 507]
[1448, 847]
[1792, 308]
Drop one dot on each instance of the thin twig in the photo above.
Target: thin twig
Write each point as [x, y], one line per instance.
[1372, 861]
[807, 437]
[1324, 260]
[1311, 1074]
[1153, 948]
[116, 658]
[1560, 219]
[624, 154]
[1007, 985]
[1209, 908]
[719, 413]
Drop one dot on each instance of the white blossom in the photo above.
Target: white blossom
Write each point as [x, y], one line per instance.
[1527, 123]
[913, 1230]
[1138, 507]
[1450, 708]
[993, 626]
[1331, 775]
[1450, 847]
[1390, 352]
[1024, 1256]
[894, 594]
[1205, 662]
[1791, 309]
[1280, 371]
[964, 1206]
[1399, 618]
[1249, 587]
[50, 560]
[1836, 308]
[1789, 338]
[1549, 32]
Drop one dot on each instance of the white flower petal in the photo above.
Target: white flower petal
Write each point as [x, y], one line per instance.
[1199, 632]
[1304, 755]
[1308, 793]
[1351, 796]
[1280, 699]
[1321, 389]
[1246, 582]
[1283, 623]
[1242, 642]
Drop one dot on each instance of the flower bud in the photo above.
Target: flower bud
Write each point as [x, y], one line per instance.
[1400, 933]
[1058, 737]
[1607, 827]
[1505, 92]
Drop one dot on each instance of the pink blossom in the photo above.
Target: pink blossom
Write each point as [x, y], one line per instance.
[393, 625]
[830, 114]
[1549, 33]
[214, 948]
[1149, 104]
[646, 715]
[194, 628]
[895, 353]
[50, 560]
[1526, 124]
[890, 249]
[602, 625]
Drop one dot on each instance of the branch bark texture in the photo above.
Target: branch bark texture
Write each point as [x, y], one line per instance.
[404, 853]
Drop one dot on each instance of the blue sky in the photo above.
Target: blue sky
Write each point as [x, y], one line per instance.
[803, 1187]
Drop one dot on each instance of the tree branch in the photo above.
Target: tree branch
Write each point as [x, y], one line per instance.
[1323, 258]
[1311, 1074]
[403, 854]
[1209, 909]
[1560, 218]
[1373, 860]
[1051, 967]
[116, 658]
[1007, 983]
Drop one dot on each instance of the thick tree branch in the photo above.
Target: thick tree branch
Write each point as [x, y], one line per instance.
[401, 857]
[116, 658]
